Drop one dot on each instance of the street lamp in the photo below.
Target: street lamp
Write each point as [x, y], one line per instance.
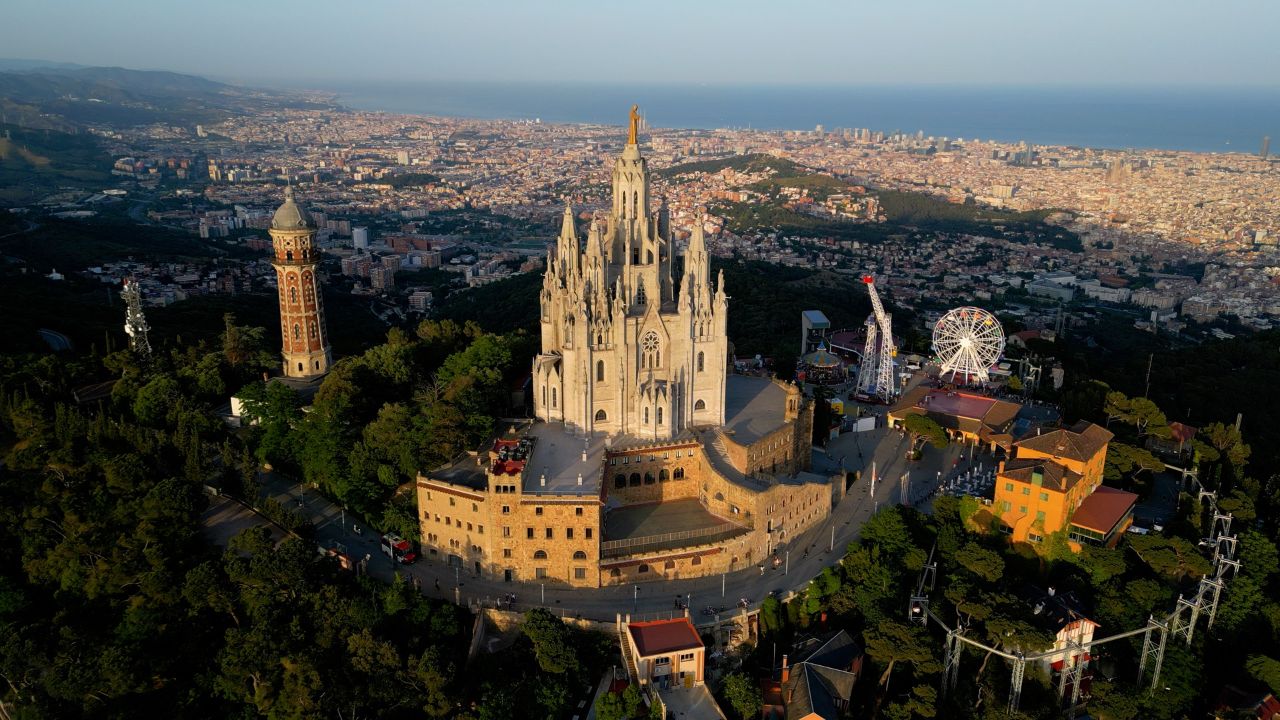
[635, 600]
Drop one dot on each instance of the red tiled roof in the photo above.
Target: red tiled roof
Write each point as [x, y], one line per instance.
[1104, 507]
[1180, 432]
[664, 636]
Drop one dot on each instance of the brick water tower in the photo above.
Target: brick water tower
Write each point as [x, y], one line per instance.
[305, 340]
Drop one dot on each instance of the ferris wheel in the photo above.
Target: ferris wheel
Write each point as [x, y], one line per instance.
[968, 340]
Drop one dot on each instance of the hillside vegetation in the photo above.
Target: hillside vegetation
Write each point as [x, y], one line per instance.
[34, 162]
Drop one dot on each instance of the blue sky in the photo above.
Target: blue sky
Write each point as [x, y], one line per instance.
[983, 42]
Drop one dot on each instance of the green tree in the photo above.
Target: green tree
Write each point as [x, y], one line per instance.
[744, 695]
[890, 643]
[551, 641]
[923, 426]
[980, 561]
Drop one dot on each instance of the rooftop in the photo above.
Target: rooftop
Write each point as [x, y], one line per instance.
[1080, 442]
[1104, 509]
[658, 518]
[563, 462]
[753, 407]
[663, 636]
[954, 410]
[1052, 475]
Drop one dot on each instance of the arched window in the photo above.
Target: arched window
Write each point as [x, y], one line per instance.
[619, 481]
[539, 554]
[297, 332]
[599, 340]
[701, 360]
[599, 371]
[649, 257]
[663, 475]
[652, 348]
[553, 397]
[659, 416]
[601, 416]
[677, 473]
[299, 367]
[579, 555]
[697, 560]
[288, 256]
[643, 568]
[646, 415]
[699, 405]
[669, 565]
[648, 478]
[615, 573]
[634, 480]
[293, 294]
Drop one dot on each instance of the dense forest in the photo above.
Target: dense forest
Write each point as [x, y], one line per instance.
[983, 582]
[113, 603]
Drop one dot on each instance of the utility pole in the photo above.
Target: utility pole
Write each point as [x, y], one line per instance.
[1147, 390]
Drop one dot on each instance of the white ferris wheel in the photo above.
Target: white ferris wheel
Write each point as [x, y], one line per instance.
[967, 341]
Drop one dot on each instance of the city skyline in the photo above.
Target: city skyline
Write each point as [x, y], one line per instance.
[993, 43]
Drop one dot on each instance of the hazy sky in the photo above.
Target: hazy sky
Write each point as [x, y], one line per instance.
[1017, 42]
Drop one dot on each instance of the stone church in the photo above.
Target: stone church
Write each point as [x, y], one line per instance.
[623, 351]
[648, 459]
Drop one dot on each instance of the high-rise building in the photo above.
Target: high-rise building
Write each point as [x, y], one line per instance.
[360, 238]
[1266, 146]
[305, 340]
[402, 157]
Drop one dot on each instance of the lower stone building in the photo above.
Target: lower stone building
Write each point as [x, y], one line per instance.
[543, 503]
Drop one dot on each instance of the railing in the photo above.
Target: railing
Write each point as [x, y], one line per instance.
[613, 548]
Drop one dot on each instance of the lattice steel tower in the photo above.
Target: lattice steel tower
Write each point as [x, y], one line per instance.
[135, 323]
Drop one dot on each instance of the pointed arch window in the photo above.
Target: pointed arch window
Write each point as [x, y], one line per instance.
[646, 415]
[553, 397]
[599, 371]
[293, 294]
[297, 332]
[659, 416]
[700, 405]
[601, 416]
[701, 360]
[652, 350]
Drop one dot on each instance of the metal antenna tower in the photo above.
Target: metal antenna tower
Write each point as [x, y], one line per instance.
[1153, 650]
[135, 323]
[1015, 682]
[951, 661]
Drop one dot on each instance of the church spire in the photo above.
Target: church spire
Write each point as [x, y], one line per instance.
[567, 249]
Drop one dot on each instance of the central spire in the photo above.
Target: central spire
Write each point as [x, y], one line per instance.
[635, 125]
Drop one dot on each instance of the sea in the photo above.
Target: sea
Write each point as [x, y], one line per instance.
[1201, 119]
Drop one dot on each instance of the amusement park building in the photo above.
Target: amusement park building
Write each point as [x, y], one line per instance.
[967, 417]
[647, 460]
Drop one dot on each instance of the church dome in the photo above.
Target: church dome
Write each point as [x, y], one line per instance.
[290, 215]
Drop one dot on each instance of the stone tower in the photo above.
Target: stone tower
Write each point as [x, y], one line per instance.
[623, 350]
[305, 339]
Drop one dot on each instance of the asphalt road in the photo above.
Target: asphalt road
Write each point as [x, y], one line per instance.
[802, 558]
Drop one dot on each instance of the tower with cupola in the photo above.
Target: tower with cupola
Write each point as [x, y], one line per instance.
[305, 339]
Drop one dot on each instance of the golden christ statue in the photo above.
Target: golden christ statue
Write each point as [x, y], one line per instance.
[635, 124]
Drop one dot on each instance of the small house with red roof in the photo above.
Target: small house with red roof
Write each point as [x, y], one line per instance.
[666, 653]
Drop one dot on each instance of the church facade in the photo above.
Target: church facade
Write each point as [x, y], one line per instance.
[622, 350]
[647, 458]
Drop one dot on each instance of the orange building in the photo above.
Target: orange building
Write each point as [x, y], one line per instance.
[1054, 482]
